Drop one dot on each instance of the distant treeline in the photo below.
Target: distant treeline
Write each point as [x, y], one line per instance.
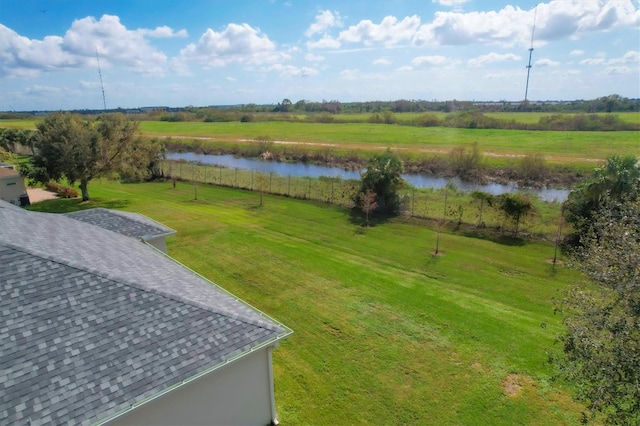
[605, 104]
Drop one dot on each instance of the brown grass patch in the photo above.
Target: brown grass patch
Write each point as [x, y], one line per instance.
[514, 384]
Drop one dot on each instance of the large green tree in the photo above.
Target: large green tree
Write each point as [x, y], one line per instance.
[75, 148]
[602, 341]
[619, 178]
[383, 178]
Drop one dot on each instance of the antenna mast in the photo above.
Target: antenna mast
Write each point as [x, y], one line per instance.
[104, 100]
[526, 90]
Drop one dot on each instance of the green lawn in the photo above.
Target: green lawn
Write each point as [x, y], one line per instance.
[385, 333]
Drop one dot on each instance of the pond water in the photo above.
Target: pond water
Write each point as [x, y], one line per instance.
[312, 170]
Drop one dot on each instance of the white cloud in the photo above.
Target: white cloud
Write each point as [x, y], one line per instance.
[116, 45]
[349, 74]
[382, 61]
[576, 52]
[512, 25]
[288, 71]
[592, 61]
[163, 32]
[231, 79]
[450, 3]
[431, 61]
[546, 62]
[632, 56]
[241, 44]
[620, 69]
[324, 20]
[492, 57]
[325, 42]
[314, 58]
[389, 32]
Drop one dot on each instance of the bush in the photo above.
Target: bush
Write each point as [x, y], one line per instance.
[62, 191]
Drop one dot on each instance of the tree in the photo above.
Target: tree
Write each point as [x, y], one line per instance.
[483, 198]
[602, 342]
[620, 177]
[69, 146]
[383, 177]
[515, 207]
[368, 203]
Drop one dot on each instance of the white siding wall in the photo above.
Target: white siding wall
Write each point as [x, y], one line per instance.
[237, 394]
[11, 188]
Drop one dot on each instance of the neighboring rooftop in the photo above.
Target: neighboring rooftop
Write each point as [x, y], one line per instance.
[7, 171]
[92, 322]
[125, 223]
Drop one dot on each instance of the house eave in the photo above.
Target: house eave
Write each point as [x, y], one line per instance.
[273, 342]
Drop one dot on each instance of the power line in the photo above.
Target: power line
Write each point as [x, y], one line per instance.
[104, 99]
[526, 90]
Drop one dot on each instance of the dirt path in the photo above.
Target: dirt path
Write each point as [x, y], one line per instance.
[39, 194]
[363, 146]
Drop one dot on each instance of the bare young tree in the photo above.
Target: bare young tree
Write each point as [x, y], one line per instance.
[368, 203]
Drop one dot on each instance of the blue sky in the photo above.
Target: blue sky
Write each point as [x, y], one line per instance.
[206, 52]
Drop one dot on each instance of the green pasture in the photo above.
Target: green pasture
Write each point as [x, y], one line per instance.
[385, 332]
[558, 147]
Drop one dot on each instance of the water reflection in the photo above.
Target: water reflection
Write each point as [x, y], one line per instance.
[312, 170]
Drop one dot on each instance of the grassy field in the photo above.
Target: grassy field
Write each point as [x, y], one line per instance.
[385, 332]
[500, 145]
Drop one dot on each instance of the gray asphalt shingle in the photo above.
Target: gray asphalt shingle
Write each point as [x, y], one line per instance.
[92, 321]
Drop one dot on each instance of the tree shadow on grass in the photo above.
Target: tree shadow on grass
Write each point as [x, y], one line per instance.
[67, 205]
[496, 237]
[356, 217]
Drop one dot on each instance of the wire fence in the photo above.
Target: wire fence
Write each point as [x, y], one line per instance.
[448, 205]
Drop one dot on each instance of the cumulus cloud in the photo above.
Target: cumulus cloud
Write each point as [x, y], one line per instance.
[592, 61]
[240, 44]
[163, 32]
[116, 45]
[431, 61]
[389, 32]
[325, 19]
[492, 57]
[289, 71]
[450, 3]
[546, 62]
[629, 58]
[576, 52]
[326, 42]
[314, 58]
[382, 61]
[512, 26]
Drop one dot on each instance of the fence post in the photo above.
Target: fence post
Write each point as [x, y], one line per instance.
[413, 201]
[180, 170]
[205, 173]
[220, 176]
[235, 183]
[270, 175]
[252, 179]
[309, 187]
[331, 196]
[289, 187]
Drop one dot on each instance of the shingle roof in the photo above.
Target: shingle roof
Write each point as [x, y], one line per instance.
[92, 322]
[125, 223]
